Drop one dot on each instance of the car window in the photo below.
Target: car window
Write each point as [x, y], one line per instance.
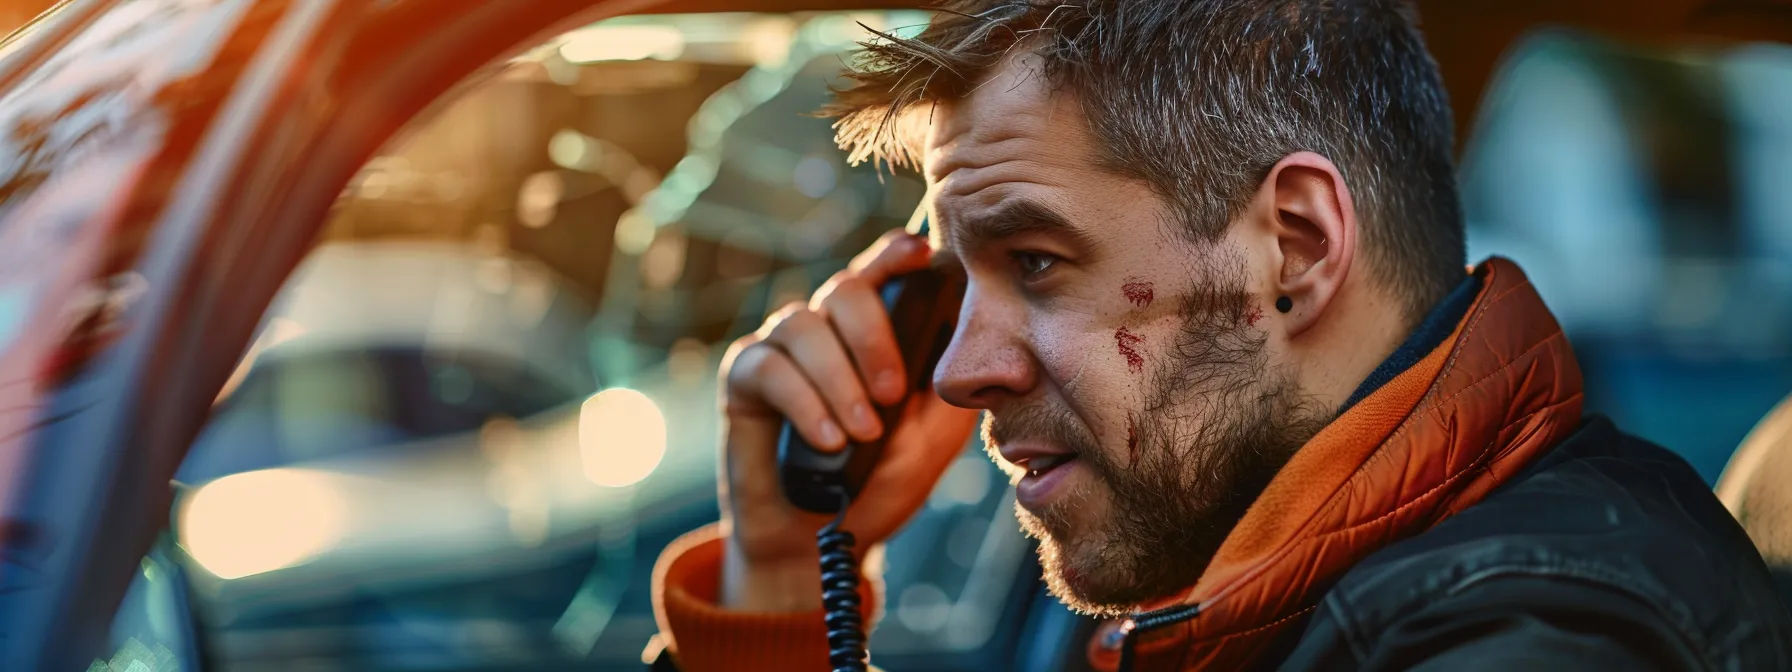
[1644, 192]
[478, 410]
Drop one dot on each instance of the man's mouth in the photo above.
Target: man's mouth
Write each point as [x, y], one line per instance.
[1047, 476]
[1039, 466]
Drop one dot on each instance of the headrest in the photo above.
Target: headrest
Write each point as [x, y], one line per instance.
[1756, 487]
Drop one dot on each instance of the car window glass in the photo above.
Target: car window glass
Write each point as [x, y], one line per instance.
[486, 400]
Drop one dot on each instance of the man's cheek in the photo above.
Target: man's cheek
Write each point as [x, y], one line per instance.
[1101, 372]
[1066, 354]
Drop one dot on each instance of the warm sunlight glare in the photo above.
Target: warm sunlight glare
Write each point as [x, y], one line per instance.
[622, 43]
[260, 521]
[622, 437]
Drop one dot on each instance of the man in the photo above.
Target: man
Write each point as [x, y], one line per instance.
[1218, 326]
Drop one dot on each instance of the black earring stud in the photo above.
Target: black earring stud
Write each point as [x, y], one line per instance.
[1284, 304]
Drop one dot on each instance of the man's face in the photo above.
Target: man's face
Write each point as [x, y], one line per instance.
[1128, 374]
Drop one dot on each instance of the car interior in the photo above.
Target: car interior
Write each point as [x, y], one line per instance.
[485, 400]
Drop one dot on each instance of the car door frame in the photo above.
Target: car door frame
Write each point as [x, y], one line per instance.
[267, 135]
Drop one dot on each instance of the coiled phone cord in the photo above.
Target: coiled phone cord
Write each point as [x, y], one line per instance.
[840, 594]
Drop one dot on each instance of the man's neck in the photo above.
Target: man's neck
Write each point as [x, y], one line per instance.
[1431, 331]
[1367, 340]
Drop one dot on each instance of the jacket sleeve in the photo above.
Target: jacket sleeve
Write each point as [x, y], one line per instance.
[701, 636]
[1511, 623]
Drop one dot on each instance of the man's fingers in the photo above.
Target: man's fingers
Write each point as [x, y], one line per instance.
[852, 302]
[811, 342]
[856, 312]
[895, 253]
[767, 373]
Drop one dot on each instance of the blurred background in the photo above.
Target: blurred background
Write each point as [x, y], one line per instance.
[486, 401]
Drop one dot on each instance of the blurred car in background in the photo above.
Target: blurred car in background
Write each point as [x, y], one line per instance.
[454, 281]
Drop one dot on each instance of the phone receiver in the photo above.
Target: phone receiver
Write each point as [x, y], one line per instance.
[923, 306]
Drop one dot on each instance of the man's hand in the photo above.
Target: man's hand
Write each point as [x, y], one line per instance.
[824, 365]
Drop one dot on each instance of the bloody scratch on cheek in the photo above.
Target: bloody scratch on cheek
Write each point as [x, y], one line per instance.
[1127, 341]
[1132, 440]
[1139, 292]
[1254, 316]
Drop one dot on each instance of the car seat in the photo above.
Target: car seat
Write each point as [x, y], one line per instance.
[1757, 488]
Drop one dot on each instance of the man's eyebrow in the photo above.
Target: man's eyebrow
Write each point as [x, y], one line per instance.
[1016, 218]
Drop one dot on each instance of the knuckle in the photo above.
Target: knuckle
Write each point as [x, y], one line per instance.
[791, 316]
[890, 242]
[784, 312]
[737, 347]
[802, 320]
[840, 289]
[745, 361]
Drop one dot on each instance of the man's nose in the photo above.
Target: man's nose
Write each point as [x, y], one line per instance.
[987, 361]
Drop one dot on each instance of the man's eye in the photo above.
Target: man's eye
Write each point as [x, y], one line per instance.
[1032, 264]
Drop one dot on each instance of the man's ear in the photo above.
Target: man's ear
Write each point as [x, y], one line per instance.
[1313, 221]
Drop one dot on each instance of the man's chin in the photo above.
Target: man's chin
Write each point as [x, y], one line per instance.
[1083, 566]
[1090, 572]
[1082, 581]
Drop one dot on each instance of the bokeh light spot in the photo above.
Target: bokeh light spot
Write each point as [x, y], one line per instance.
[260, 521]
[622, 437]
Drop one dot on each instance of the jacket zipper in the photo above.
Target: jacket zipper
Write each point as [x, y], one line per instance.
[1152, 620]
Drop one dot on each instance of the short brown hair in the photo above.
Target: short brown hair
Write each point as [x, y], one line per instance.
[1200, 98]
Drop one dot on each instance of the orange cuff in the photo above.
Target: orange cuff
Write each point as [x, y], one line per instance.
[704, 636]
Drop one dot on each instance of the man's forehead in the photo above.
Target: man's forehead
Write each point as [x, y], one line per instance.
[1016, 103]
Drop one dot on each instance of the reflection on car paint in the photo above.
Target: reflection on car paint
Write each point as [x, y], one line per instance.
[93, 141]
[77, 136]
[14, 302]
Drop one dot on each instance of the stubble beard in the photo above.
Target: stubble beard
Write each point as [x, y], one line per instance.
[1217, 424]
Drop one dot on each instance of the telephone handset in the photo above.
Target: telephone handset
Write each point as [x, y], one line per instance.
[923, 306]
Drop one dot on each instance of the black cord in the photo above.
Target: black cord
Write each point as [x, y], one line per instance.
[840, 594]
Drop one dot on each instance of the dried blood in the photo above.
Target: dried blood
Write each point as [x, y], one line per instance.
[1139, 292]
[1254, 316]
[1132, 440]
[1127, 342]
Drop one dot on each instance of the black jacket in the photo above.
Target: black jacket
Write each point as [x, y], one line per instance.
[1608, 553]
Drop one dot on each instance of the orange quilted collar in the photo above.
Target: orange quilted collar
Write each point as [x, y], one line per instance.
[1502, 390]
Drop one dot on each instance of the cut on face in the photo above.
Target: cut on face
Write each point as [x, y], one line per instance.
[1128, 390]
[1144, 519]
